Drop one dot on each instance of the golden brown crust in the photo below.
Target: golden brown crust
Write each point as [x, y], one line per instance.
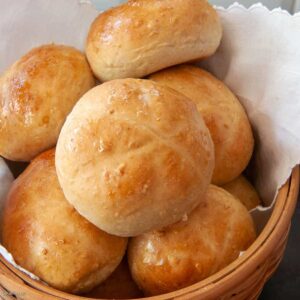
[134, 156]
[49, 238]
[222, 113]
[36, 94]
[184, 253]
[144, 36]
[119, 285]
[243, 190]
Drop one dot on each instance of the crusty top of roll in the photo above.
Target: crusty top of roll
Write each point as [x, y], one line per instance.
[223, 114]
[47, 237]
[36, 94]
[203, 243]
[133, 156]
[144, 36]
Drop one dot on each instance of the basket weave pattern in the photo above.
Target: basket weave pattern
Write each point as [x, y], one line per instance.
[242, 280]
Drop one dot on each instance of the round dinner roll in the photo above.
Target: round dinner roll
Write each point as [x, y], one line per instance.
[144, 36]
[223, 114]
[134, 156]
[119, 285]
[47, 237]
[243, 190]
[36, 95]
[203, 243]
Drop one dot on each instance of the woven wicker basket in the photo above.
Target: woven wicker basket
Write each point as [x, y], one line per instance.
[243, 279]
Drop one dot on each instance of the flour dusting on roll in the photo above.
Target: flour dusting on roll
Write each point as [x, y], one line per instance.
[134, 156]
[144, 36]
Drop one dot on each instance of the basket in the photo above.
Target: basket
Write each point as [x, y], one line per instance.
[243, 279]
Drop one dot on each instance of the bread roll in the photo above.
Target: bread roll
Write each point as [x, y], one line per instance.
[143, 36]
[134, 156]
[119, 285]
[223, 114]
[49, 238]
[209, 239]
[243, 190]
[36, 95]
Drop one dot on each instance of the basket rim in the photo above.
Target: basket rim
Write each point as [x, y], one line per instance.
[223, 280]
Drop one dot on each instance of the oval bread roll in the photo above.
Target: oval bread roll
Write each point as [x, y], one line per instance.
[119, 285]
[144, 36]
[36, 95]
[134, 156]
[209, 239]
[223, 114]
[47, 237]
[243, 190]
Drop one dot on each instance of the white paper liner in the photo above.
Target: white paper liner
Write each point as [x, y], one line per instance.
[259, 59]
[6, 180]
[10, 258]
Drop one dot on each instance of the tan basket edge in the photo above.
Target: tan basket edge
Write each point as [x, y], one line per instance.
[222, 283]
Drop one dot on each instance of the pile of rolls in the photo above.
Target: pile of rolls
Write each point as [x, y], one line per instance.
[134, 185]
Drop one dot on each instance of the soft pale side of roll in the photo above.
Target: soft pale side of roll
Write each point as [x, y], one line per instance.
[143, 36]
